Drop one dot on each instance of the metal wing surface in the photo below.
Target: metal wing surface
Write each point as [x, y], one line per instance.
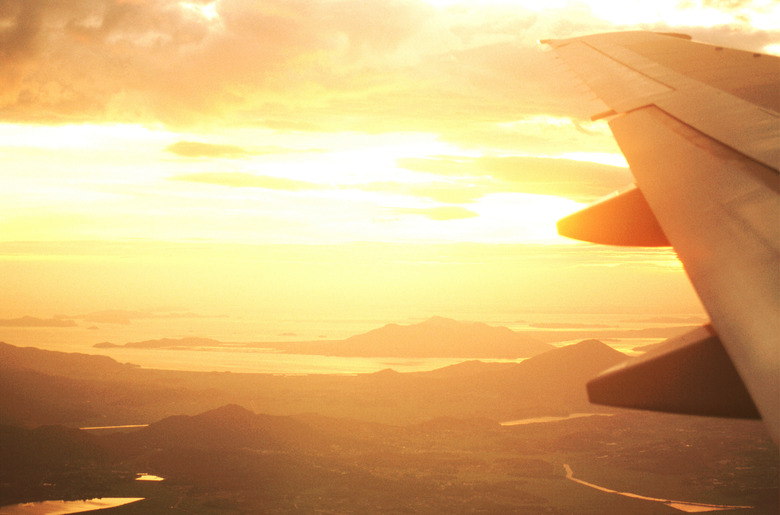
[699, 127]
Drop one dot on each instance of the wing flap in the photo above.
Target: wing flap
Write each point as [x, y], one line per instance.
[690, 374]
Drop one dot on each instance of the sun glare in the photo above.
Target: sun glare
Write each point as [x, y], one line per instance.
[208, 11]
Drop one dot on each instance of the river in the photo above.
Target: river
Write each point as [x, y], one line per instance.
[63, 507]
[541, 420]
[686, 506]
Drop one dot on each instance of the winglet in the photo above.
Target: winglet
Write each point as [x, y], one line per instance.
[623, 219]
[690, 374]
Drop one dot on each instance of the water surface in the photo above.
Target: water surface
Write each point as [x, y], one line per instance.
[63, 507]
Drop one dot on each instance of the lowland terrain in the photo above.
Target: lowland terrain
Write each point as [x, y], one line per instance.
[388, 442]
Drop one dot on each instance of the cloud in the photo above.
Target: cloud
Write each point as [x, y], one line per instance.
[158, 60]
[579, 180]
[213, 150]
[196, 149]
[446, 192]
[441, 214]
[246, 180]
[305, 65]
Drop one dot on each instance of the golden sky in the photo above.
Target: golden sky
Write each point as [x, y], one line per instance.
[336, 154]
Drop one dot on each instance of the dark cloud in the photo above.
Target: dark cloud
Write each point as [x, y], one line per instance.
[246, 180]
[301, 65]
[293, 65]
[20, 24]
[159, 60]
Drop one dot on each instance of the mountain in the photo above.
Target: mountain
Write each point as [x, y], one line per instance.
[580, 360]
[46, 387]
[558, 378]
[68, 364]
[468, 369]
[229, 426]
[436, 337]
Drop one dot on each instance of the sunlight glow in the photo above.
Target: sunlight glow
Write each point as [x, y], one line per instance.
[773, 49]
[75, 136]
[208, 11]
[597, 157]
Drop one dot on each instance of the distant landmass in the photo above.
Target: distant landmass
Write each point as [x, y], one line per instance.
[437, 337]
[28, 321]
[558, 335]
[164, 343]
[125, 317]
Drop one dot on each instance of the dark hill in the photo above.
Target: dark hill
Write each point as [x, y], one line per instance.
[586, 357]
[45, 446]
[558, 378]
[229, 426]
[552, 383]
[62, 363]
[469, 368]
[50, 462]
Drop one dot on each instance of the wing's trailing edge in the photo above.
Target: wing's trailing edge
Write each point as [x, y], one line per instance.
[700, 130]
[710, 385]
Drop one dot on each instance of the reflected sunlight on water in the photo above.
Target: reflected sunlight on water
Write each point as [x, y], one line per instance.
[264, 359]
[149, 477]
[63, 507]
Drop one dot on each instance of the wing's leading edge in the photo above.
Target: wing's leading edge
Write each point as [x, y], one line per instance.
[700, 129]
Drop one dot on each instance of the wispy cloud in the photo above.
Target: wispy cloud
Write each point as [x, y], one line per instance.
[197, 149]
[247, 180]
[579, 180]
[320, 65]
[441, 214]
[446, 192]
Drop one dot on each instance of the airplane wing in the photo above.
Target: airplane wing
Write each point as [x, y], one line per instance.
[700, 129]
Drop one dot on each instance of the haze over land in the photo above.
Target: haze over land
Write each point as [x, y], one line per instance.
[418, 442]
[218, 182]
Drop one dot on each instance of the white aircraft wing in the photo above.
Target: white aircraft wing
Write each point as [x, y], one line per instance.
[700, 129]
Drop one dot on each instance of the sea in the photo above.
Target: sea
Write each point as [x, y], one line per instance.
[262, 333]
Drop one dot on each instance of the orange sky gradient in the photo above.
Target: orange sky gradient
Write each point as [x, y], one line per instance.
[327, 157]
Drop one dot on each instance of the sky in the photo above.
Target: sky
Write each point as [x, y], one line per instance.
[320, 157]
